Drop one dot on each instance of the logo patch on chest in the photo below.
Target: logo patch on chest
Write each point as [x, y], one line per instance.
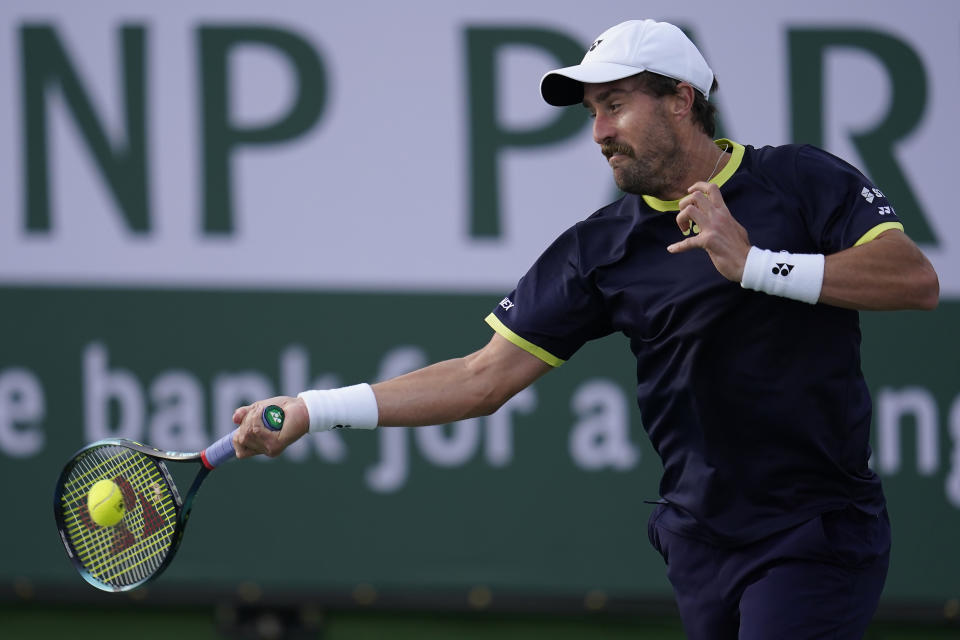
[693, 228]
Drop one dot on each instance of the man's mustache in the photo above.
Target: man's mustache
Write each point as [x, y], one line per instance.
[613, 148]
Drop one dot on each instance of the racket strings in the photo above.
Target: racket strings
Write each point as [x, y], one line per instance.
[136, 547]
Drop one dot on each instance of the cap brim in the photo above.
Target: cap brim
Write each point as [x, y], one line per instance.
[563, 87]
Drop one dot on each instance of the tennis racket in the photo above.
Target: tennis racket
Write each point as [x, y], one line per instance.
[139, 547]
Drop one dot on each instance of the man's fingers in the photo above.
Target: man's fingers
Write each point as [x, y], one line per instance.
[708, 188]
[685, 217]
[241, 450]
[699, 199]
[684, 245]
[253, 438]
[239, 414]
[703, 203]
[687, 201]
[685, 221]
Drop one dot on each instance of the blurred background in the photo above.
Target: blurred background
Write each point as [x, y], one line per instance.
[207, 203]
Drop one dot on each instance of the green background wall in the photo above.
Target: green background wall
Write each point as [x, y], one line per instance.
[533, 521]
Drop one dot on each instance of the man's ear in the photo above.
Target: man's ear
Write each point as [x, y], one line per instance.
[681, 102]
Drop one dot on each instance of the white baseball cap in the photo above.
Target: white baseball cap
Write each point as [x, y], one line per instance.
[625, 50]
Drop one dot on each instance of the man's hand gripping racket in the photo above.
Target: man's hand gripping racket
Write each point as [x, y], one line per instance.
[142, 544]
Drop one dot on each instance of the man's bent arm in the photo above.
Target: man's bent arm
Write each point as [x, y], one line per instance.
[887, 273]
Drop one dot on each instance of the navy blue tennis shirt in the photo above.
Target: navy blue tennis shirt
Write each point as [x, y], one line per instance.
[756, 404]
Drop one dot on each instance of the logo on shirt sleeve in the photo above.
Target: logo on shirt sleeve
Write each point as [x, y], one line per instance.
[872, 193]
[507, 304]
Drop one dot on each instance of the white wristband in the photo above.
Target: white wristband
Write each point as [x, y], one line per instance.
[798, 276]
[344, 408]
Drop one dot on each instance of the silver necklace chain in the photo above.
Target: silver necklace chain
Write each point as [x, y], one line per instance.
[719, 158]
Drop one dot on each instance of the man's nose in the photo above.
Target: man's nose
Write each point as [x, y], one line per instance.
[602, 129]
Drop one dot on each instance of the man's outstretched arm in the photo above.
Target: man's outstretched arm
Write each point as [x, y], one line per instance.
[474, 385]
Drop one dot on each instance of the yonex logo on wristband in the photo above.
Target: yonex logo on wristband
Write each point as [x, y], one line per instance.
[762, 272]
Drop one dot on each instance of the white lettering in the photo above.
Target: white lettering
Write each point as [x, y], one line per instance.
[952, 483]
[391, 473]
[236, 390]
[892, 407]
[294, 373]
[449, 445]
[22, 408]
[394, 466]
[601, 437]
[103, 388]
[294, 376]
[177, 424]
[499, 427]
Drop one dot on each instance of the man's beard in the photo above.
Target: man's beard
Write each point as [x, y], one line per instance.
[655, 173]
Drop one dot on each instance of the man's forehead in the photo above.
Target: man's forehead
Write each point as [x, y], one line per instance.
[600, 91]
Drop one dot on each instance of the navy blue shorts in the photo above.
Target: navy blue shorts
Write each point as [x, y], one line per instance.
[821, 579]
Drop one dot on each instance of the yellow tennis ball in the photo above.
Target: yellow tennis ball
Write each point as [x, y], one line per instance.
[105, 502]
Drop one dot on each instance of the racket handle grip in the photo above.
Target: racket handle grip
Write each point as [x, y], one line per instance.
[221, 451]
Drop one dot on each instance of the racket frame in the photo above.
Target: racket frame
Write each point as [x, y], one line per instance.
[183, 505]
[271, 417]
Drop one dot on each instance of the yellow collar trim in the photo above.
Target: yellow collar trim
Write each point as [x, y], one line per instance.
[736, 157]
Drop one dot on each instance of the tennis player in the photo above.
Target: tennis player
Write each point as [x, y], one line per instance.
[737, 273]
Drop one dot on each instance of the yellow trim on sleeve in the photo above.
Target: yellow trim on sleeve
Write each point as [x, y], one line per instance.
[736, 157]
[526, 345]
[877, 230]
